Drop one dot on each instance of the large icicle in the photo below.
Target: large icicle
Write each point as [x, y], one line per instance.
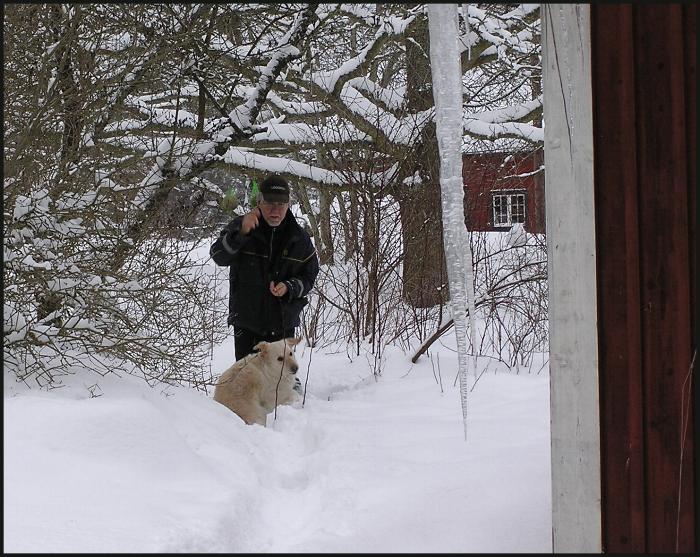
[443, 25]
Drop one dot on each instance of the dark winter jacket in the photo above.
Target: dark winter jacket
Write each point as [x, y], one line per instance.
[284, 253]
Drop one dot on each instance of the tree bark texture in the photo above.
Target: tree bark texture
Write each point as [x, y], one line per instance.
[424, 270]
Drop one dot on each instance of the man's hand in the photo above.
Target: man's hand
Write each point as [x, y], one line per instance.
[250, 221]
[279, 290]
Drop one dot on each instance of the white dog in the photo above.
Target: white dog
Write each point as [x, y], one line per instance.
[253, 385]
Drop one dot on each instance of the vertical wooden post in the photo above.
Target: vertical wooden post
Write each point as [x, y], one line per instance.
[575, 427]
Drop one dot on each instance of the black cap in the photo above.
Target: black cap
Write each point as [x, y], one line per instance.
[275, 189]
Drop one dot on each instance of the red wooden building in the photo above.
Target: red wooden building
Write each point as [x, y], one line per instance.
[502, 189]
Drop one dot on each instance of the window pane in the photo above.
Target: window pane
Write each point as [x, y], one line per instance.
[518, 208]
[500, 210]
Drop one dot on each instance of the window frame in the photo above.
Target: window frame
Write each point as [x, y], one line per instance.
[509, 195]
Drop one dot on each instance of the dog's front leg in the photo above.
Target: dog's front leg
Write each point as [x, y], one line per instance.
[260, 416]
[251, 413]
[289, 397]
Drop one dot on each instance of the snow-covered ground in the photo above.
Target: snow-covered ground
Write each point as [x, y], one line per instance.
[364, 466]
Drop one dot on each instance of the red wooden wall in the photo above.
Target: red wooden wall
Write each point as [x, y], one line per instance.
[643, 60]
[483, 173]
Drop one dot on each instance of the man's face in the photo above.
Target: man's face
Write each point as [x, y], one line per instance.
[273, 213]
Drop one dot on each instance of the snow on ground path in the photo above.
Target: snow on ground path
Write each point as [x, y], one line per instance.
[383, 467]
[380, 467]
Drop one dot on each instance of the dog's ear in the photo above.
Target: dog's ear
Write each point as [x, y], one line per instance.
[293, 341]
[261, 346]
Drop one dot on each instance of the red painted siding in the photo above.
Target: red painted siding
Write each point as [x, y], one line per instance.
[644, 151]
[617, 249]
[487, 173]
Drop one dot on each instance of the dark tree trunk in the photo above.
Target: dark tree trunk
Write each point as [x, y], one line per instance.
[327, 252]
[424, 269]
[349, 223]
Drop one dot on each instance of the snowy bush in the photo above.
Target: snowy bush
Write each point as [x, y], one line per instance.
[66, 305]
[358, 300]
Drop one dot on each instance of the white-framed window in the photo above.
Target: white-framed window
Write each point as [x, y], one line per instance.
[508, 208]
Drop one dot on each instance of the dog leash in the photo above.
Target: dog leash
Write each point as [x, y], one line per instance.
[308, 367]
[277, 388]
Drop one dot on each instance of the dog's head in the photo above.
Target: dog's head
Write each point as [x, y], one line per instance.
[280, 353]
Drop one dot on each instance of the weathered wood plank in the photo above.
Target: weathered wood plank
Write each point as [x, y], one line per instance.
[664, 271]
[572, 281]
[617, 255]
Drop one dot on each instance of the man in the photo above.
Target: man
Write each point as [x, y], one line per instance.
[273, 266]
